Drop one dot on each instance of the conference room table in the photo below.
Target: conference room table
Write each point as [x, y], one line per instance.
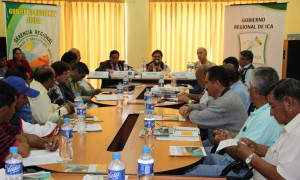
[120, 133]
[135, 97]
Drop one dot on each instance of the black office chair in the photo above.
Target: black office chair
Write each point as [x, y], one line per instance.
[236, 167]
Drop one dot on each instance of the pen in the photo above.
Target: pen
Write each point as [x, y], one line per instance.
[53, 136]
[158, 124]
[58, 114]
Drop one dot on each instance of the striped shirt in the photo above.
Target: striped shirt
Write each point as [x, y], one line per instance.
[7, 139]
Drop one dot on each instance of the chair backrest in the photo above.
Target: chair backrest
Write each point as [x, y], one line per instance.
[236, 167]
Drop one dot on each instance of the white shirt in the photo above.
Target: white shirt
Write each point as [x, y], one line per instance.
[39, 130]
[41, 106]
[285, 153]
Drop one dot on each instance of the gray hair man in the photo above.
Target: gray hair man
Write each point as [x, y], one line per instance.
[281, 160]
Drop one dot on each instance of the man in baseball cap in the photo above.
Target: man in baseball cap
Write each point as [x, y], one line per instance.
[21, 86]
[24, 91]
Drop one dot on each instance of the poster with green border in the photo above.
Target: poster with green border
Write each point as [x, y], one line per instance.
[35, 29]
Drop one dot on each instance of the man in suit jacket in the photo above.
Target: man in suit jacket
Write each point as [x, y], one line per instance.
[245, 60]
[113, 63]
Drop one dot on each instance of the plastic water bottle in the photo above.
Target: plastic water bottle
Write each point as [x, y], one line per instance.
[147, 95]
[165, 69]
[81, 115]
[173, 81]
[125, 84]
[125, 66]
[14, 165]
[116, 169]
[144, 66]
[120, 95]
[76, 101]
[192, 67]
[188, 67]
[66, 133]
[145, 165]
[161, 82]
[149, 125]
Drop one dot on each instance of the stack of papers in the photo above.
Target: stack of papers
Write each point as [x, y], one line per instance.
[91, 127]
[39, 157]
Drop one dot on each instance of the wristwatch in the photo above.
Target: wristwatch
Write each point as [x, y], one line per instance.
[249, 158]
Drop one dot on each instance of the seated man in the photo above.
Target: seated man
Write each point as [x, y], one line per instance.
[200, 77]
[202, 60]
[60, 94]
[260, 126]
[225, 111]
[3, 67]
[78, 72]
[236, 84]
[69, 57]
[25, 113]
[156, 65]
[281, 160]
[42, 108]
[24, 91]
[83, 83]
[111, 65]
[12, 135]
[202, 57]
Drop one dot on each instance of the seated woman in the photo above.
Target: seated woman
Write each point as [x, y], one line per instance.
[18, 58]
[60, 93]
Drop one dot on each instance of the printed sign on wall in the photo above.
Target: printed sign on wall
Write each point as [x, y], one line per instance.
[35, 29]
[258, 28]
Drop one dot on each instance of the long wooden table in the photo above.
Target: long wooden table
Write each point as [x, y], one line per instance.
[92, 148]
[138, 93]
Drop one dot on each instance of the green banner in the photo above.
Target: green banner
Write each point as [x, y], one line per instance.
[35, 29]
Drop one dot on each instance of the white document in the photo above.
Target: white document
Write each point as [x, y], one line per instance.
[91, 127]
[2, 174]
[39, 157]
[227, 143]
[94, 118]
[106, 97]
[178, 138]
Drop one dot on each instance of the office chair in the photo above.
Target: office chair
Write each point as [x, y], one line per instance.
[236, 167]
